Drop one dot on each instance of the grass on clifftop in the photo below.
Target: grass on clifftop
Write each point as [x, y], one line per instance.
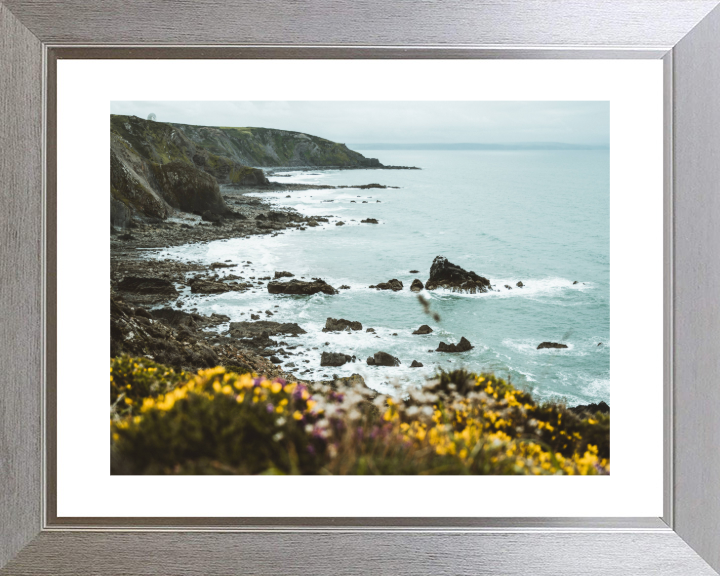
[219, 422]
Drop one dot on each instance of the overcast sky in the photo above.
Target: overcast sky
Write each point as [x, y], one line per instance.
[399, 122]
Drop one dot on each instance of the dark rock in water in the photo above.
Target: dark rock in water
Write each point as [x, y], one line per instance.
[416, 364]
[275, 360]
[199, 286]
[599, 343]
[520, 285]
[370, 330]
[369, 221]
[255, 316]
[575, 282]
[155, 286]
[283, 275]
[216, 265]
[290, 365]
[508, 286]
[462, 346]
[591, 408]
[333, 325]
[334, 359]
[394, 285]
[383, 359]
[341, 223]
[424, 329]
[312, 223]
[252, 329]
[444, 274]
[300, 287]
[550, 345]
[414, 271]
[416, 286]
[344, 287]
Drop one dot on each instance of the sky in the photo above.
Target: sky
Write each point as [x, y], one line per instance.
[415, 122]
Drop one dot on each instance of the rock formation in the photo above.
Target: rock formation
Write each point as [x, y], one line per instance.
[444, 274]
[301, 287]
[462, 346]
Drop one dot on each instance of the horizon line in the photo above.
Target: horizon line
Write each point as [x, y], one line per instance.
[474, 145]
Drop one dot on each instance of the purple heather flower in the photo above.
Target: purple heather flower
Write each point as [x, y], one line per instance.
[270, 408]
[311, 449]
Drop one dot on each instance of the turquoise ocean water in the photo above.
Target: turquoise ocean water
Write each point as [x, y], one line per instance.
[540, 217]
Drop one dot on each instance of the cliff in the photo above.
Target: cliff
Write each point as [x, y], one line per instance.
[156, 166]
[268, 147]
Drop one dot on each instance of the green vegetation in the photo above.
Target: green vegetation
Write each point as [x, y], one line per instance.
[221, 422]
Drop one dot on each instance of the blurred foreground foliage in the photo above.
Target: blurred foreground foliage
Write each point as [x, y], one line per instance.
[221, 422]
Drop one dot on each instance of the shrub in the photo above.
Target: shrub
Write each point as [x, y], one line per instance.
[221, 422]
[134, 379]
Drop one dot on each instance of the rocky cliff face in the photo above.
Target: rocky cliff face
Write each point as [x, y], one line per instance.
[156, 166]
[270, 147]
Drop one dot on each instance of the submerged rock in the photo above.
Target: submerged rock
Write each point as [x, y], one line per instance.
[550, 345]
[416, 285]
[334, 359]
[462, 346]
[445, 274]
[383, 359]
[424, 329]
[300, 287]
[395, 285]
[333, 325]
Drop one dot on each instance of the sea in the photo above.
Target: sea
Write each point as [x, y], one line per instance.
[540, 217]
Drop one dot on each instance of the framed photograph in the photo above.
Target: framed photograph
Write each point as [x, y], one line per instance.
[372, 288]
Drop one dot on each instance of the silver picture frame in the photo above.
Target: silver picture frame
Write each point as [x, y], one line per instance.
[685, 34]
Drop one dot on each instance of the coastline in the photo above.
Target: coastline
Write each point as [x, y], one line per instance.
[193, 338]
[151, 319]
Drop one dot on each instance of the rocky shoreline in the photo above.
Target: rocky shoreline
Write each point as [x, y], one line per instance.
[152, 318]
